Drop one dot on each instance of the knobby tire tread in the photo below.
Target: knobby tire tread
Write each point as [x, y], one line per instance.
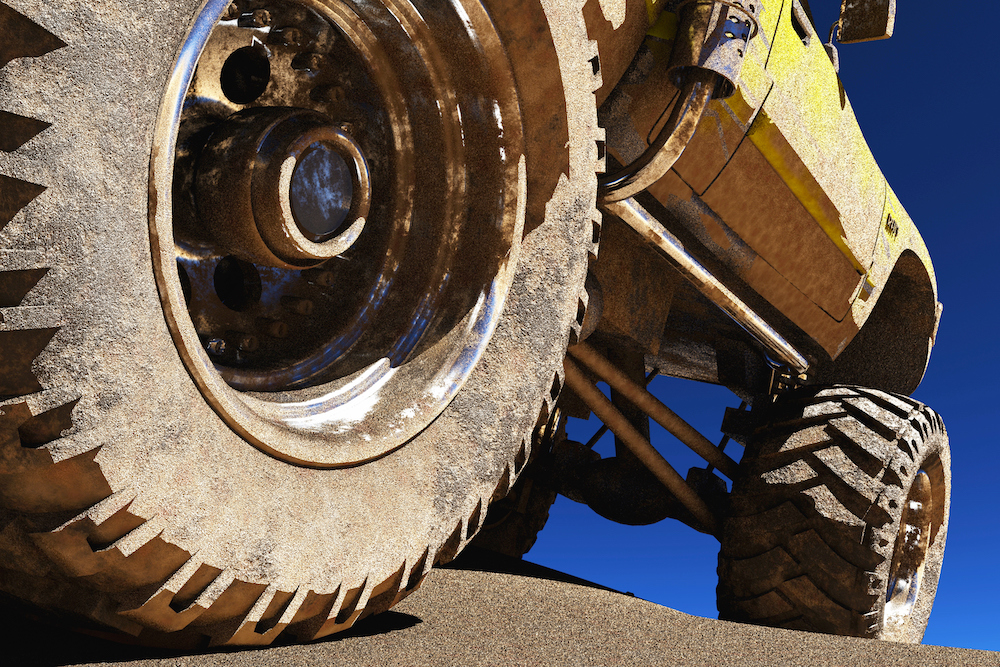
[72, 543]
[787, 562]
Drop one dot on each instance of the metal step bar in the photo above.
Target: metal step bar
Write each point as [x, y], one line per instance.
[638, 218]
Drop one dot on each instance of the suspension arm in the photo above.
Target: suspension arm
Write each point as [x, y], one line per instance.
[652, 406]
[639, 446]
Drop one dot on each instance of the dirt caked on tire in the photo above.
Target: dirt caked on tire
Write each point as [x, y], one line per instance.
[839, 524]
[513, 522]
[234, 404]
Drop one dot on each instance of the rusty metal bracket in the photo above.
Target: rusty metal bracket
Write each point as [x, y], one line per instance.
[654, 408]
[784, 379]
[713, 37]
[639, 445]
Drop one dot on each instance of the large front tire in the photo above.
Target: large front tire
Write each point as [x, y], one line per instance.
[839, 523]
[131, 495]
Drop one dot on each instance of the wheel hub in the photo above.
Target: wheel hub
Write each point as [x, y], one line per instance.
[284, 188]
[910, 553]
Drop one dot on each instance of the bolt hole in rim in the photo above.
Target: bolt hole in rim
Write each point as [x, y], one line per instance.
[336, 210]
[245, 74]
[237, 283]
[922, 518]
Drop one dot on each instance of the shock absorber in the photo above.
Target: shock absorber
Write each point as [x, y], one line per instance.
[705, 64]
[713, 37]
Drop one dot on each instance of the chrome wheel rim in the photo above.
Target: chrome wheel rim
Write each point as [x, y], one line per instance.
[330, 329]
[921, 519]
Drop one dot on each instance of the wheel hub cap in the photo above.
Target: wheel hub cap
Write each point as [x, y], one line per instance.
[282, 187]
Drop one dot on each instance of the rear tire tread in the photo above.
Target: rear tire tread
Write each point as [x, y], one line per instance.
[786, 561]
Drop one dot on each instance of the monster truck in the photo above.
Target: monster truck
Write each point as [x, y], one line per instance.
[288, 288]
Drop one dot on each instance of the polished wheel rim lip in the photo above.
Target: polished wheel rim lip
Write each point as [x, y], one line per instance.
[374, 410]
[912, 545]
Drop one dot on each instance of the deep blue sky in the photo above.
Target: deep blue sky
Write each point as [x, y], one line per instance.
[926, 100]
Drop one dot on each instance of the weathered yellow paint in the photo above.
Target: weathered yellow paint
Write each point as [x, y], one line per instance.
[755, 80]
[844, 189]
[791, 106]
[653, 8]
[664, 26]
[772, 144]
[754, 199]
[888, 249]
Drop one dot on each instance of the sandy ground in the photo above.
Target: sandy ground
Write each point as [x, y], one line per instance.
[488, 612]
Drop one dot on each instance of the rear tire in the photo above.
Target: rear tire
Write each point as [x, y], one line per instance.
[513, 523]
[839, 524]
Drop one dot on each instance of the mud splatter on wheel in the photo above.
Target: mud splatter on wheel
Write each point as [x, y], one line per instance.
[840, 523]
[236, 405]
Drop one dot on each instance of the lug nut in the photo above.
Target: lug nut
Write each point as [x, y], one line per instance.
[216, 346]
[286, 37]
[232, 12]
[297, 305]
[319, 277]
[244, 342]
[329, 94]
[273, 328]
[258, 18]
[309, 62]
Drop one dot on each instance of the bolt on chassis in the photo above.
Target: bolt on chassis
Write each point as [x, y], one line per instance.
[298, 295]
